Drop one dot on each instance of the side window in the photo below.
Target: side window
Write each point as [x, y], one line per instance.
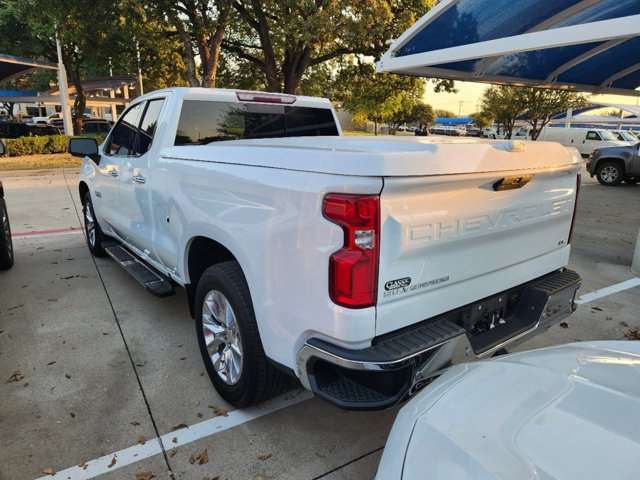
[202, 122]
[306, 121]
[149, 124]
[123, 137]
[89, 128]
[593, 136]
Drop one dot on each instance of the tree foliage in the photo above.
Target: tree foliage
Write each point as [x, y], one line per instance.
[284, 39]
[536, 106]
[444, 113]
[200, 25]
[378, 97]
[481, 119]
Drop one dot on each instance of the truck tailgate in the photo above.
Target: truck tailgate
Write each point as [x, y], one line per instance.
[449, 240]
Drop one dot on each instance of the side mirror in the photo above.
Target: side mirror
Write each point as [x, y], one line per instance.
[84, 147]
[3, 148]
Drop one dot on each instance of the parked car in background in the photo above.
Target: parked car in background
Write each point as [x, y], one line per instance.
[586, 140]
[612, 165]
[567, 412]
[90, 126]
[95, 127]
[6, 245]
[19, 129]
[473, 132]
[625, 136]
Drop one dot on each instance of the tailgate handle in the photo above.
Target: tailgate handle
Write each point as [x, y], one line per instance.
[511, 183]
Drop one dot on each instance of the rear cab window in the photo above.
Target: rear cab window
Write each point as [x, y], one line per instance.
[203, 122]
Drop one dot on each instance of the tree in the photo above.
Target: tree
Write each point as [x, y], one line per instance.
[444, 113]
[378, 97]
[481, 119]
[535, 105]
[540, 105]
[86, 30]
[422, 114]
[499, 103]
[285, 39]
[200, 25]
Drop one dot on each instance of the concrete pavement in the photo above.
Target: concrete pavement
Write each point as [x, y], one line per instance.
[97, 365]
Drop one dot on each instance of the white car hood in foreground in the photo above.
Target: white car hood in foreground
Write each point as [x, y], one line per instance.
[569, 412]
[382, 156]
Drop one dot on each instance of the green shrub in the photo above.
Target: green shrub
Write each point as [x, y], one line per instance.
[41, 145]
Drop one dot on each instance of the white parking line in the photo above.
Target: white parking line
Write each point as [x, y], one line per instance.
[136, 453]
[604, 292]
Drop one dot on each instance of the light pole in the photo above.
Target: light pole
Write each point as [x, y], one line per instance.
[64, 91]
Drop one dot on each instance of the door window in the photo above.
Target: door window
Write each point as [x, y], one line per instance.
[148, 125]
[593, 136]
[122, 140]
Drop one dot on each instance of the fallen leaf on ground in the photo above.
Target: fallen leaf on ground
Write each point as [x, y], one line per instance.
[113, 462]
[624, 324]
[16, 377]
[66, 375]
[49, 471]
[135, 423]
[179, 427]
[142, 440]
[633, 334]
[83, 465]
[145, 476]
[199, 415]
[264, 457]
[219, 411]
[51, 362]
[564, 325]
[200, 459]
[72, 415]
[172, 453]
[174, 440]
[596, 308]
[211, 478]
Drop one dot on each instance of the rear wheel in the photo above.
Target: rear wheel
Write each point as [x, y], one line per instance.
[6, 245]
[92, 228]
[610, 173]
[229, 339]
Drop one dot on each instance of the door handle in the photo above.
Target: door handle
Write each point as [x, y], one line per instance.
[114, 173]
[139, 179]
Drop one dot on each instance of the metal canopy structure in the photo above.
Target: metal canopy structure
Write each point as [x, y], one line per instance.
[12, 67]
[583, 45]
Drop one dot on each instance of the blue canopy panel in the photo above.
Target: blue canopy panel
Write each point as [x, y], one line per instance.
[12, 67]
[588, 45]
[453, 121]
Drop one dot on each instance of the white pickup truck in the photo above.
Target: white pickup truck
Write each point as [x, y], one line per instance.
[363, 266]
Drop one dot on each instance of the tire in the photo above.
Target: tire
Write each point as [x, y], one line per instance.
[609, 173]
[237, 364]
[92, 230]
[6, 245]
[632, 181]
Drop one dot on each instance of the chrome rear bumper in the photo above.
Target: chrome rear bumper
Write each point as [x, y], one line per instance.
[398, 365]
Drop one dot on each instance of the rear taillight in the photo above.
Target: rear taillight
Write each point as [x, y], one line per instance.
[353, 270]
[575, 207]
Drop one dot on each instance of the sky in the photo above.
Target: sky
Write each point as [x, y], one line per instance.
[467, 100]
